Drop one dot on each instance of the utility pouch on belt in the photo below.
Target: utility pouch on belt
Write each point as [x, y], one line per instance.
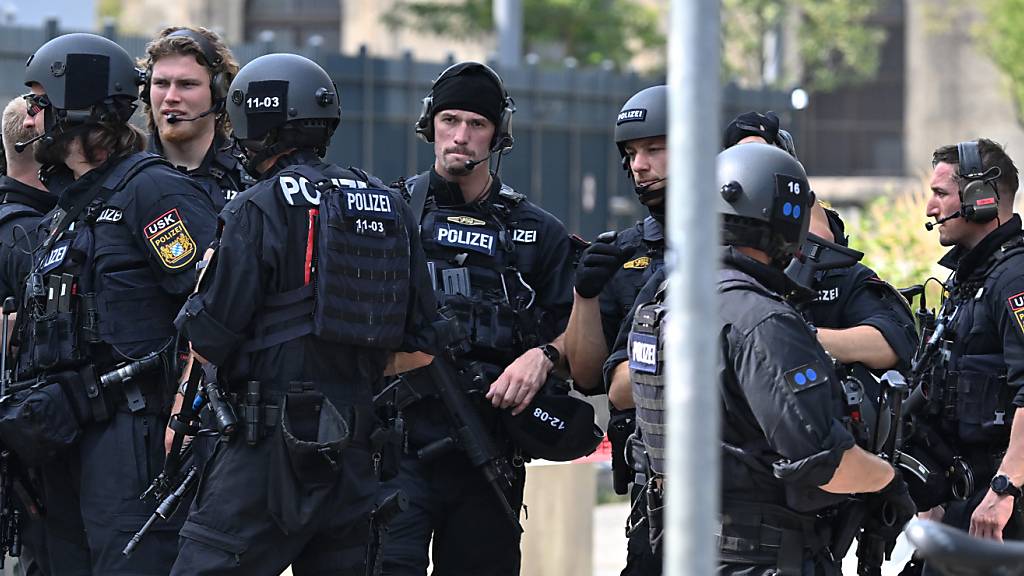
[39, 423]
[305, 459]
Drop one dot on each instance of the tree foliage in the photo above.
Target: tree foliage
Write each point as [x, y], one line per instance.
[896, 245]
[999, 34]
[835, 39]
[591, 31]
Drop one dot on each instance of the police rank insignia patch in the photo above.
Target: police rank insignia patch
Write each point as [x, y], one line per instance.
[466, 221]
[171, 240]
[637, 263]
[1016, 305]
[806, 377]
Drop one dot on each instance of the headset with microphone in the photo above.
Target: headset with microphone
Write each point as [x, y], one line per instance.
[219, 81]
[502, 141]
[979, 194]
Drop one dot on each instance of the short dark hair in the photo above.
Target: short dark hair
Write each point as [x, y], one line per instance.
[992, 154]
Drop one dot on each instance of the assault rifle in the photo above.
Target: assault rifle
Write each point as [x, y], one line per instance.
[470, 434]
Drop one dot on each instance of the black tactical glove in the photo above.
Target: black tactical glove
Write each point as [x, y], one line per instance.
[890, 508]
[598, 264]
[752, 124]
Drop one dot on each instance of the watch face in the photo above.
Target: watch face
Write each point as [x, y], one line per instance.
[1000, 484]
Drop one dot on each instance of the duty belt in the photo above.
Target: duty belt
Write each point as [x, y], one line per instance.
[757, 533]
[259, 412]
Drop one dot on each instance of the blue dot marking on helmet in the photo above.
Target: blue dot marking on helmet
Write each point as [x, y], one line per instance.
[796, 211]
[806, 377]
[787, 208]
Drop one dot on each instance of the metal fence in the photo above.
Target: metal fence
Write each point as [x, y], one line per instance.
[564, 156]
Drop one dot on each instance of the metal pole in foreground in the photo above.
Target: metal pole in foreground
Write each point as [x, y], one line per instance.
[691, 348]
[508, 23]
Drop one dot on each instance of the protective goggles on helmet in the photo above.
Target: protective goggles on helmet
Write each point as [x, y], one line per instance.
[36, 103]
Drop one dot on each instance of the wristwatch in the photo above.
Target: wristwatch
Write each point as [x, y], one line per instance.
[551, 352]
[1001, 485]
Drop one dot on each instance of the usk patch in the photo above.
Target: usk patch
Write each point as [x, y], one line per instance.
[806, 377]
[637, 263]
[1016, 305]
[171, 240]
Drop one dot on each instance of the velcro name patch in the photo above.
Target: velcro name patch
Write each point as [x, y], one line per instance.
[524, 236]
[481, 241]
[632, 115]
[806, 377]
[170, 240]
[110, 215]
[55, 258]
[643, 353]
[368, 204]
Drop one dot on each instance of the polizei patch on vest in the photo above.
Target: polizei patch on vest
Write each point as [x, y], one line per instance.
[170, 240]
[55, 258]
[368, 203]
[806, 377]
[632, 115]
[1016, 305]
[481, 241]
[643, 353]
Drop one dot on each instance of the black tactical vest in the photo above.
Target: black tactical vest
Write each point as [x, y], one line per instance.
[358, 292]
[471, 257]
[978, 403]
[68, 308]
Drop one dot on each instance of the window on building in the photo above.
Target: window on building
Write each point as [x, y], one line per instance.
[294, 22]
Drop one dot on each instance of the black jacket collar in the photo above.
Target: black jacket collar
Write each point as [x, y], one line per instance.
[966, 262]
[770, 277]
[14, 191]
[449, 195]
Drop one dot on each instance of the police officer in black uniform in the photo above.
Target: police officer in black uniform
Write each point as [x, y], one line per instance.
[115, 261]
[611, 272]
[23, 199]
[787, 455]
[860, 319]
[975, 372]
[500, 263]
[23, 203]
[188, 71]
[317, 276]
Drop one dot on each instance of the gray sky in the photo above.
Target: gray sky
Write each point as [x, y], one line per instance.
[73, 14]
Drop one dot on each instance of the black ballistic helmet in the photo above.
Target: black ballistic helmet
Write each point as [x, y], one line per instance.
[87, 78]
[765, 200]
[555, 427]
[280, 101]
[644, 115]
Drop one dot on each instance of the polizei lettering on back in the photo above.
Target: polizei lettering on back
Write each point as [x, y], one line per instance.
[481, 241]
[298, 188]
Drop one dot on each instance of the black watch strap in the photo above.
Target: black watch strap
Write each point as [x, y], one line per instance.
[551, 352]
[1001, 485]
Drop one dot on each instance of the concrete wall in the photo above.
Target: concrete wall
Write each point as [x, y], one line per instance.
[953, 91]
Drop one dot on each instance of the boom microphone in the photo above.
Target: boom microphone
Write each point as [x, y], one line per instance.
[931, 225]
[19, 147]
[470, 164]
[173, 119]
